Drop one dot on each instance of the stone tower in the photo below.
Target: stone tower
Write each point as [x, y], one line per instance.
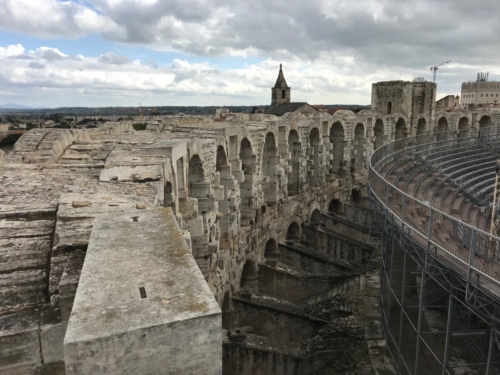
[280, 91]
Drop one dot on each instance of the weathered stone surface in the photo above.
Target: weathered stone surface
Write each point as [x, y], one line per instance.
[175, 307]
[237, 190]
[24, 253]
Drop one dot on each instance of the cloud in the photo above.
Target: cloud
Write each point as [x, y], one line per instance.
[114, 59]
[36, 65]
[53, 19]
[11, 51]
[52, 54]
[112, 79]
[397, 33]
[332, 50]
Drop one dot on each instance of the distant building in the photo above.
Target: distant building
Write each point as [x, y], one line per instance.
[280, 91]
[280, 99]
[481, 93]
[410, 104]
[448, 103]
[221, 113]
[319, 107]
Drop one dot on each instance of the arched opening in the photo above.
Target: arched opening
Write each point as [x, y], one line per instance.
[337, 139]
[356, 196]
[442, 128]
[168, 195]
[174, 188]
[400, 129]
[293, 232]
[314, 167]
[316, 215]
[484, 125]
[226, 181]
[198, 225]
[335, 206]
[294, 162]
[181, 177]
[359, 146]
[227, 311]
[196, 178]
[463, 128]
[379, 134]
[271, 250]
[283, 94]
[221, 160]
[250, 277]
[422, 131]
[248, 162]
[269, 163]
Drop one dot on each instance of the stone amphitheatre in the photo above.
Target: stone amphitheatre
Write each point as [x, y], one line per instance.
[265, 244]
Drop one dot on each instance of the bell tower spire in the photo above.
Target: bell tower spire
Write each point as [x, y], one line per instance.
[280, 93]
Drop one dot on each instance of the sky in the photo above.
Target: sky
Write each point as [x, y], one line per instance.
[93, 53]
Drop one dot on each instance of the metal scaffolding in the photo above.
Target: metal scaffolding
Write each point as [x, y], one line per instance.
[440, 310]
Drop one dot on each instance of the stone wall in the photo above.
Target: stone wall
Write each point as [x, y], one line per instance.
[235, 189]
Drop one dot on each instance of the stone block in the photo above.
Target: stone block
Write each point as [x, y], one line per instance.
[135, 173]
[219, 193]
[154, 314]
[188, 207]
[195, 226]
[19, 344]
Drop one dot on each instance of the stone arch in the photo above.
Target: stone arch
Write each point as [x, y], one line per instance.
[400, 129]
[250, 277]
[379, 133]
[422, 130]
[359, 146]
[168, 195]
[227, 311]
[269, 164]
[316, 215]
[335, 206]
[199, 190]
[314, 155]
[221, 159]
[181, 186]
[463, 127]
[485, 124]
[357, 196]
[312, 207]
[294, 163]
[248, 162]
[226, 183]
[293, 232]
[271, 249]
[337, 140]
[442, 125]
[442, 128]
[196, 178]
[175, 192]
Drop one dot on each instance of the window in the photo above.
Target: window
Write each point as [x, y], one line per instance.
[283, 94]
[389, 108]
[481, 95]
[486, 95]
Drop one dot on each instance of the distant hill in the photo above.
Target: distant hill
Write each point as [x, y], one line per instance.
[151, 110]
[14, 106]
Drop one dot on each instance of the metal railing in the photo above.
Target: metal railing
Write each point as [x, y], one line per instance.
[471, 251]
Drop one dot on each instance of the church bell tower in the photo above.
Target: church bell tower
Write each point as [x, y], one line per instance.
[280, 91]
